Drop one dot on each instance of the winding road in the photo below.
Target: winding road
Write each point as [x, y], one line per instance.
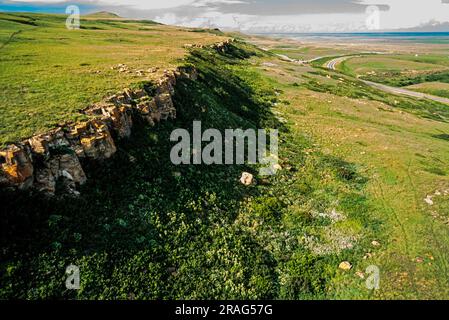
[332, 65]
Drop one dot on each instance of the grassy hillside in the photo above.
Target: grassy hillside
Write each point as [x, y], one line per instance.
[400, 70]
[364, 177]
[401, 146]
[436, 88]
[102, 15]
[48, 72]
[146, 229]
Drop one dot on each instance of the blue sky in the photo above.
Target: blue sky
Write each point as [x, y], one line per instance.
[262, 15]
[12, 6]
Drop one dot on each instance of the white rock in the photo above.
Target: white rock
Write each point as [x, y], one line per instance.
[345, 266]
[429, 200]
[375, 243]
[247, 179]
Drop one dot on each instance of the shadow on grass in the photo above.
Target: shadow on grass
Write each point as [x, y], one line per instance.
[442, 136]
[143, 227]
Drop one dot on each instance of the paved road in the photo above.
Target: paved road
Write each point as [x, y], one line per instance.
[332, 65]
[406, 92]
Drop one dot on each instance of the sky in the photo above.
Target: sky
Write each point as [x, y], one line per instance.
[258, 16]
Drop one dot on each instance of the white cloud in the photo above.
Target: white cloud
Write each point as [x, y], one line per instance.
[197, 13]
[406, 13]
[209, 3]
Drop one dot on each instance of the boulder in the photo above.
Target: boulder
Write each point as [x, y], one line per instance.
[45, 181]
[375, 243]
[136, 94]
[70, 168]
[148, 111]
[116, 115]
[92, 139]
[345, 266]
[121, 120]
[63, 167]
[167, 83]
[165, 106]
[97, 141]
[42, 145]
[188, 72]
[247, 179]
[429, 200]
[74, 134]
[119, 99]
[16, 167]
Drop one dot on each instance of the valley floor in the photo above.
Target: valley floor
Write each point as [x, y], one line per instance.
[405, 158]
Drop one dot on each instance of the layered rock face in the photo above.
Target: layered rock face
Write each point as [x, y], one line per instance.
[17, 167]
[45, 161]
[54, 159]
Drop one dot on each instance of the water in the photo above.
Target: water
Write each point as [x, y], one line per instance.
[425, 37]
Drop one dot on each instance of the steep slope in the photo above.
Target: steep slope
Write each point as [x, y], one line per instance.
[144, 228]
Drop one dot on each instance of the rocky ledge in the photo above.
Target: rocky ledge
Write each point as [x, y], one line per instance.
[55, 158]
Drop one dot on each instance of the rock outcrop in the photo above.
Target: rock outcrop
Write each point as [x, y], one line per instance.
[46, 161]
[16, 166]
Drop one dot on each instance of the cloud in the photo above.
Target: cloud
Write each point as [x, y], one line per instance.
[289, 7]
[306, 15]
[407, 14]
[254, 7]
[274, 15]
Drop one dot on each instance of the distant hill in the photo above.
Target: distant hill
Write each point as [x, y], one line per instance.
[103, 14]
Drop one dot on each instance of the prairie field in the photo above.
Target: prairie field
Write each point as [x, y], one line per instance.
[49, 73]
[436, 88]
[402, 154]
[399, 70]
[379, 64]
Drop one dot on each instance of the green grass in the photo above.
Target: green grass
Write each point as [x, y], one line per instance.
[435, 88]
[352, 88]
[49, 73]
[362, 65]
[357, 164]
[398, 79]
[400, 146]
[398, 70]
[158, 231]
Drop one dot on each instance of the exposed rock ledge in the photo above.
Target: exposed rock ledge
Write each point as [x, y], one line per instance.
[43, 161]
